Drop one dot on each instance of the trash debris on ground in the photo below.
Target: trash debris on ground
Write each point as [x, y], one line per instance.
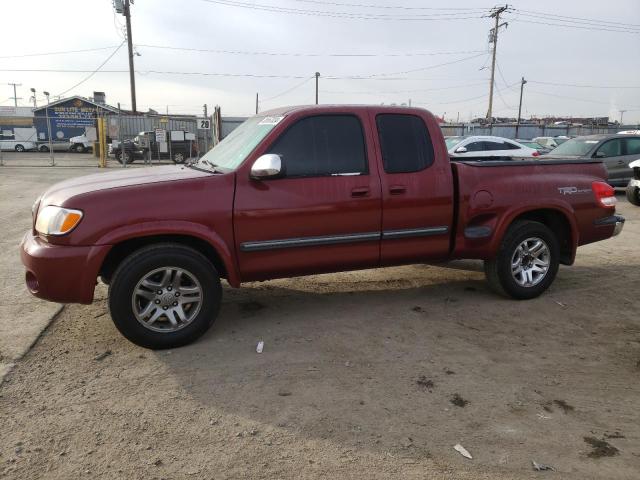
[260, 347]
[462, 451]
[542, 416]
[284, 393]
[566, 408]
[425, 383]
[563, 305]
[540, 467]
[615, 434]
[601, 448]
[102, 356]
[458, 401]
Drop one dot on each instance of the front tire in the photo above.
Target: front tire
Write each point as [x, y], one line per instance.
[633, 195]
[527, 261]
[19, 148]
[124, 157]
[179, 157]
[44, 148]
[164, 296]
[80, 148]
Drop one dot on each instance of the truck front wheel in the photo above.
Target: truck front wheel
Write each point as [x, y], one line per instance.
[164, 296]
[527, 261]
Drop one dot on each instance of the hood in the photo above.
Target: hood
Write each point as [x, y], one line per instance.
[635, 164]
[60, 192]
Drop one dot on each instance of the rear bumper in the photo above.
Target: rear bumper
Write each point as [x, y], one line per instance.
[617, 221]
[60, 273]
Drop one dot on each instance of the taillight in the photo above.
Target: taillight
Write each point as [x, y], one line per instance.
[535, 154]
[605, 194]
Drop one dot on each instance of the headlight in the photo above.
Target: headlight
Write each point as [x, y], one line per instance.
[54, 220]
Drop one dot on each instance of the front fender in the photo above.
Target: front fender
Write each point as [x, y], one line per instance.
[184, 228]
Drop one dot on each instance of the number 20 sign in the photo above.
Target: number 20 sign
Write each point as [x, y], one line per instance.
[204, 124]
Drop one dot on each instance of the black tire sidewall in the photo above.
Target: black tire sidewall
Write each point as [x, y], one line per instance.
[79, 148]
[514, 237]
[633, 195]
[19, 148]
[138, 265]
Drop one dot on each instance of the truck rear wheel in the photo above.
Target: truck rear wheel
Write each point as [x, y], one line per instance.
[164, 296]
[633, 195]
[527, 261]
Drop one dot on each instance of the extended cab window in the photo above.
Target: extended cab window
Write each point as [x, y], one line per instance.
[322, 145]
[405, 143]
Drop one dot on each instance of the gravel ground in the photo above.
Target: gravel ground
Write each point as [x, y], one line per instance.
[368, 374]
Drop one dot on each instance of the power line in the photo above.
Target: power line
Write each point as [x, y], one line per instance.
[59, 52]
[395, 92]
[599, 20]
[298, 85]
[304, 54]
[94, 71]
[575, 85]
[597, 24]
[390, 7]
[336, 14]
[575, 98]
[549, 24]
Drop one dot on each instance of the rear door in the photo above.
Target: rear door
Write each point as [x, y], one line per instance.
[417, 190]
[611, 153]
[324, 214]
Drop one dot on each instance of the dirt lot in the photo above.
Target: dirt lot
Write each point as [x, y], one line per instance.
[370, 374]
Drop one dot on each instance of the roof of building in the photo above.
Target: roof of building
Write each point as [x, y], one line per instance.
[77, 97]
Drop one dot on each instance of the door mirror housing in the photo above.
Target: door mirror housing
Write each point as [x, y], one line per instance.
[266, 166]
[461, 150]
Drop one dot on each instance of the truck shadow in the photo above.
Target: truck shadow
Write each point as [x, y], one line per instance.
[368, 363]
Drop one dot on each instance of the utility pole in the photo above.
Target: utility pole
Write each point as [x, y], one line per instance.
[317, 76]
[53, 162]
[132, 78]
[256, 103]
[493, 38]
[15, 95]
[621, 115]
[35, 102]
[206, 132]
[522, 83]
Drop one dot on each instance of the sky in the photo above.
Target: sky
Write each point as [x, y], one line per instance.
[579, 57]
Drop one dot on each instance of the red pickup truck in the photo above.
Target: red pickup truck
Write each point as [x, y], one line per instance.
[299, 191]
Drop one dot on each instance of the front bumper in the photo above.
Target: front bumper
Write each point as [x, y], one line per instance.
[616, 220]
[61, 273]
[634, 182]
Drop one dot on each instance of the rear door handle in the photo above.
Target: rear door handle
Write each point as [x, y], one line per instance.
[360, 192]
[397, 189]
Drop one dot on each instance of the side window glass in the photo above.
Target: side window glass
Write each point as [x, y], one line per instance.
[612, 148]
[510, 146]
[405, 143]
[475, 147]
[633, 146]
[492, 146]
[322, 145]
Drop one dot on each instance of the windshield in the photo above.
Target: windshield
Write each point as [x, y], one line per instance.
[452, 141]
[575, 147]
[235, 147]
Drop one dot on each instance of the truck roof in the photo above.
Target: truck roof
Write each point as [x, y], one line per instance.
[339, 108]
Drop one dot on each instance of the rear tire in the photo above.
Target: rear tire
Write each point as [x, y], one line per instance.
[155, 309]
[19, 148]
[124, 157]
[43, 148]
[527, 262]
[179, 157]
[633, 195]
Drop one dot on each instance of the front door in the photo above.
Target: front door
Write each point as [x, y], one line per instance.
[324, 213]
[417, 192]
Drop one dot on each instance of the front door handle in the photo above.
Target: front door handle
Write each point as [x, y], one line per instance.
[397, 189]
[360, 192]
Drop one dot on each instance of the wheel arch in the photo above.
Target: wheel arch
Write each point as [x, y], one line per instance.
[125, 247]
[558, 221]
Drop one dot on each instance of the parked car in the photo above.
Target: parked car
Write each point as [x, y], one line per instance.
[487, 147]
[80, 144]
[17, 145]
[306, 190]
[144, 145]
[57, 146]
[633, 189]
[535, 145]
[551, 142]
[615, 150]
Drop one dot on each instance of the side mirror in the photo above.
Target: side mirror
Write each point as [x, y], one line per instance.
[461, 150]
[600, 155]
[266, 166]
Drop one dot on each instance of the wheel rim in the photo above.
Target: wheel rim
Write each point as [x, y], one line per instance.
[167, 299]
[179, 158]
[530, 262]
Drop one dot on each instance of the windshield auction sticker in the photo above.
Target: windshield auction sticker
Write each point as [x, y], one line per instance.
[270, 120]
